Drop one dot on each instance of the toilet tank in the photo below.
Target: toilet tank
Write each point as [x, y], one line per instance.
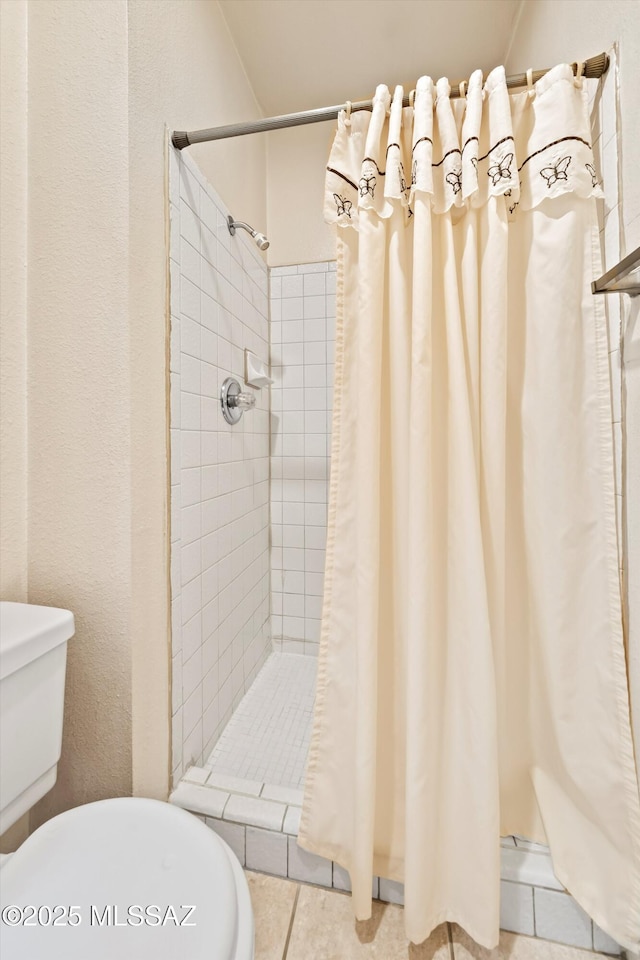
[33, 655]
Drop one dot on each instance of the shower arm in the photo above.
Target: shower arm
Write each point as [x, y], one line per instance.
[234, 224]
[261, 241]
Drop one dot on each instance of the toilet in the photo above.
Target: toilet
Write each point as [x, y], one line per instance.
[121, 879]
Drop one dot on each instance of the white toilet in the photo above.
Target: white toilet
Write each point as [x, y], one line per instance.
[122, 879]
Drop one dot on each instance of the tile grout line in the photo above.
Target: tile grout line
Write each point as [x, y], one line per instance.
[291, 920]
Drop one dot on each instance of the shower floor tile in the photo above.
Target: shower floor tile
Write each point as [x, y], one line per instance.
[267, 738]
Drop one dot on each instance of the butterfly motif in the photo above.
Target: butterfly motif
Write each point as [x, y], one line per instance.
[403, 182]
[594, 175]
[557, 172]
[414, 173]
[501, 170]
[512, 208]
[507, 193]
[455, 179]
[367, 185]
[343, 205]
[410, 213]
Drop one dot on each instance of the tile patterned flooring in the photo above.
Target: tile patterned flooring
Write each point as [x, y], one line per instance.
[267, 739]
[297, 922]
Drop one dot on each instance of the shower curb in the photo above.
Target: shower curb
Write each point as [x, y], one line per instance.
[260, 823]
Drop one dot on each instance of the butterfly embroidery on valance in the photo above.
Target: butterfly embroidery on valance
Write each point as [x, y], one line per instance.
[367, 185]
[454, 179]
[343, 205]
[500, 170]
[558, 171]
[592, 173]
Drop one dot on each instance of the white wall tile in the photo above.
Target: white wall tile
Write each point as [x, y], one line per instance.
[191, 598]
[236, 784]
[314, 285]
[231, 833]
[292, 309]
[287, 795]
[516, 908]
[263, 813]
[304, 373]
[603, 943]
[266, 851]
[558, 917]
[391, 891]
[292, 821]
[529, 865]
[292, 286]
[196, 774]
[315, 308]
[218, 296]
[199, 799]
[307, 866]
[189, 299]
[342, 881]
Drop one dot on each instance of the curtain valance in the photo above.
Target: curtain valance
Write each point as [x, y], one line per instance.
[526, 147]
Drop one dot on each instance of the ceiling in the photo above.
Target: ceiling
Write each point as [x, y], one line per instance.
[303, 54]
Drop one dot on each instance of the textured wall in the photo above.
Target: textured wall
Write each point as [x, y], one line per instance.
[78, 384]
[297, 159]
[13, 299]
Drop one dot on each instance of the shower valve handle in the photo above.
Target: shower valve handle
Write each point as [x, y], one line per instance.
[233, 401]
[243, 401]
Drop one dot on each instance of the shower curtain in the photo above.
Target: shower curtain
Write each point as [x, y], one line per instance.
[472, 678]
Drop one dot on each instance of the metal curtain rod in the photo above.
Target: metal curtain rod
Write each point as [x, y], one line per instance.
[594, 67]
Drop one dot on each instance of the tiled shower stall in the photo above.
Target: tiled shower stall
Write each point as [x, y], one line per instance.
[219, 474]
[248, 533]
[303, 310]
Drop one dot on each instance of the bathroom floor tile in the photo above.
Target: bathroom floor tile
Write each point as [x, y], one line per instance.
[324, 928]
[273, 900]
[514, 946]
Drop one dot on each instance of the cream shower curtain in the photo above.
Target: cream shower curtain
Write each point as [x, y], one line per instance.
[472, 676]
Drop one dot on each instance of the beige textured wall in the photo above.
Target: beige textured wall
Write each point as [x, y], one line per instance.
[550, 31]
[105, 79]
[78, 378]
[13, 299]
[297, 160]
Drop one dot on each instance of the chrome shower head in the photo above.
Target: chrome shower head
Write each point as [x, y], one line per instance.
[259, 238]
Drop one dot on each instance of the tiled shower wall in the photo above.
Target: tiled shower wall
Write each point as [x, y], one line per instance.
[303, 309]
[219, 473]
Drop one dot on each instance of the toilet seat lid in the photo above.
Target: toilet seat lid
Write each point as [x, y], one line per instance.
[119, 854]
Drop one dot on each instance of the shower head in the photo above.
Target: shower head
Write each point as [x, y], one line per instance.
[259, 238]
